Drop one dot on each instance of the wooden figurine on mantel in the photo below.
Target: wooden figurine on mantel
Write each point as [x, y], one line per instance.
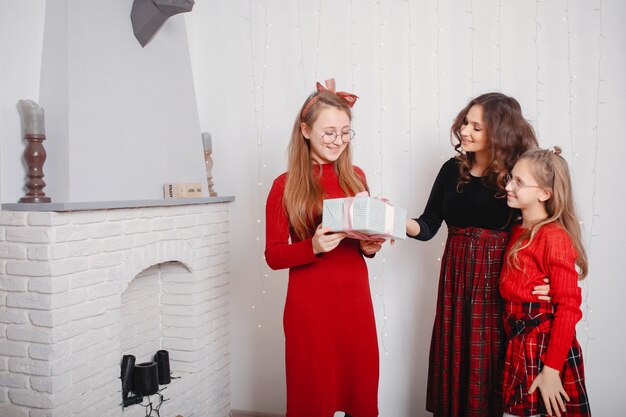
[208, 162]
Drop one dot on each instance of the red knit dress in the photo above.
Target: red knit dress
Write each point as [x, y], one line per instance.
[331, 349]
[542, 333]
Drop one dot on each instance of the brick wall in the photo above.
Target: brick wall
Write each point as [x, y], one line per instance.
[80, 289]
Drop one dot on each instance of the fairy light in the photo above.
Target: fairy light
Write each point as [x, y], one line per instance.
[472, 29]
[383, 328]
[571, 96]
[409, 149]
[538, 83]
[352, 43]
[438, 99]
[500, 6]
[409, 132]
[570, 86]
[381, 69]
[319, 36]
[586, 307]
[301, 63]
[437, 95]
[258, 91]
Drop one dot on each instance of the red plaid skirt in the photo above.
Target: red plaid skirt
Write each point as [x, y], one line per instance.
[466, 351]
[527, 326]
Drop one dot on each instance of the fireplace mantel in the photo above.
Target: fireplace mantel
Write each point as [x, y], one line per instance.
[105, 205]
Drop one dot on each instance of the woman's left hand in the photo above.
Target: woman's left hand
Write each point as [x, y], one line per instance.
[542, 291]
[551, 390]
[370, 247]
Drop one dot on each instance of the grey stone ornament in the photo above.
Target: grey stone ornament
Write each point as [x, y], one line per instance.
[148, 16]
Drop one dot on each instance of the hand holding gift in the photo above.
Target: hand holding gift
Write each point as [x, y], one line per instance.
[370, 247]
[323, 241]
[365, 218]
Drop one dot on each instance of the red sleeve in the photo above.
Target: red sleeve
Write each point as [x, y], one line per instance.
[279, 253]
[560, 258]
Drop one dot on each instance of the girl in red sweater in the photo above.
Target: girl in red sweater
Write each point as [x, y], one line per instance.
[542, 351]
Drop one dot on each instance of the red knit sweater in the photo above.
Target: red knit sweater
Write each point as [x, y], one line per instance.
[551, 255]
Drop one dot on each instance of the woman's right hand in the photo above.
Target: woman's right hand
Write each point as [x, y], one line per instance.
[324, 241]
[412, 227]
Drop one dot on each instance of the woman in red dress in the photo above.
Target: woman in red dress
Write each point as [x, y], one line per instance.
[330, 334]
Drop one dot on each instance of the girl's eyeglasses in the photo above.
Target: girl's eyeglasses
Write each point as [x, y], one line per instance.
[330, 137]
[517, 184]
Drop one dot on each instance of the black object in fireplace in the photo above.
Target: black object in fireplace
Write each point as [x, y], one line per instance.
[143, 379]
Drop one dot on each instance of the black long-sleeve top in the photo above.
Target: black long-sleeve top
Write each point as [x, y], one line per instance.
[473, 204]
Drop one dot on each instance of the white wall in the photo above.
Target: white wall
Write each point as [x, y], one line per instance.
[121, 120]
[414, 65]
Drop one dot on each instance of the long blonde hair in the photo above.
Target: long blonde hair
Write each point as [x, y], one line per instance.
[303, 190]
[551, 172]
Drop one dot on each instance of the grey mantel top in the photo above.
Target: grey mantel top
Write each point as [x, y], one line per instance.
[105, 205]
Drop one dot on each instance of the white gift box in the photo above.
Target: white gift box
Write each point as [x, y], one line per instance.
[363, 217]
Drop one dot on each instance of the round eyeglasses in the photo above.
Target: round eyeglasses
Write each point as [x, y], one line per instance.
[330, 137]
[517, 184]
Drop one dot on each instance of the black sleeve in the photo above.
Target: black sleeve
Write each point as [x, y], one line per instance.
[432, 217]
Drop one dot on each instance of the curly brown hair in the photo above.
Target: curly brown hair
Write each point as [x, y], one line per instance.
[509, 136]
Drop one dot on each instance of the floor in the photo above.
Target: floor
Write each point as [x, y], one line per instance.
[236, 413]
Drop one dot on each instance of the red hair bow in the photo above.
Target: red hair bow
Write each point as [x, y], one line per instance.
[348, 98]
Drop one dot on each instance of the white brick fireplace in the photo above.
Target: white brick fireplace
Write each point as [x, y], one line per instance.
[81, 286]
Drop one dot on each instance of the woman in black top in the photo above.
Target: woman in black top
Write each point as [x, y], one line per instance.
[490, 134]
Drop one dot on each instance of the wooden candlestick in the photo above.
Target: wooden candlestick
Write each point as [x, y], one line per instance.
[208, 164]
[207, 144]
[35, 156]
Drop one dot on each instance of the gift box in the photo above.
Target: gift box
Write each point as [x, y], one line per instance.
[363, 217]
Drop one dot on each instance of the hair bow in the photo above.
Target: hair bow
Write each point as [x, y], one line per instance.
[348, 98]
[555, 150]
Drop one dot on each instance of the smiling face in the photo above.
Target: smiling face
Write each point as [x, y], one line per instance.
[330, 121]
[523, 190]
[473, 134]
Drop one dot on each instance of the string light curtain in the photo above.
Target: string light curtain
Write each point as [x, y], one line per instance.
[453, 51]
